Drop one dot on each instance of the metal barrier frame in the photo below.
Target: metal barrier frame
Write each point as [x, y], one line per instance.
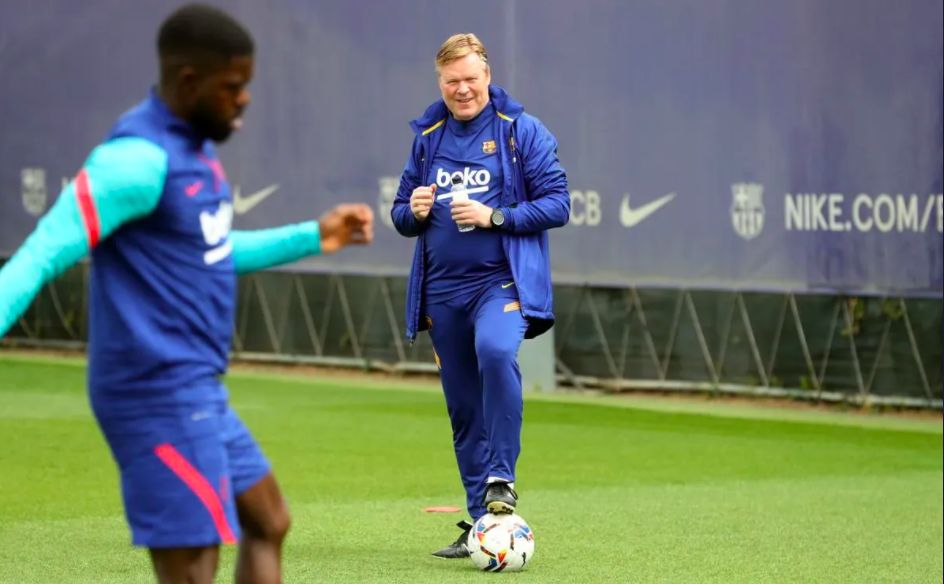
[266, 300]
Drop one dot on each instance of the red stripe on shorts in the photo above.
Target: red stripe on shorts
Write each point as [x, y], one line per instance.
[83, 193]
[199, 485]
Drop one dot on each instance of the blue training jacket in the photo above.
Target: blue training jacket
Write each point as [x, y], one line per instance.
[534, 199]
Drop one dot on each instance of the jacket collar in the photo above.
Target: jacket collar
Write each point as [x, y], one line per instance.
[170, 120]
[435, 115]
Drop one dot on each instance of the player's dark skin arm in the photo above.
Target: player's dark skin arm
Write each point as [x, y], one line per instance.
[346, 224]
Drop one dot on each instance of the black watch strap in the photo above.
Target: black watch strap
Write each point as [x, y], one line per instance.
[498, 217]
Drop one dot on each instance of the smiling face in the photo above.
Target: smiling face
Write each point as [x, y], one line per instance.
[463, 83]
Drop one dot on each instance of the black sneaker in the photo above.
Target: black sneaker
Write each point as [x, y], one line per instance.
[500, 498]
[458, 548]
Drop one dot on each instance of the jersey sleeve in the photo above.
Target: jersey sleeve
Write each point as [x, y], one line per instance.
[264, 248]
[121, 180]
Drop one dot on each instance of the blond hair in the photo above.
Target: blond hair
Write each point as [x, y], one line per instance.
[458, 46]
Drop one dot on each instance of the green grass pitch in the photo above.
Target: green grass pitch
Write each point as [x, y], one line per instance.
[616, 489]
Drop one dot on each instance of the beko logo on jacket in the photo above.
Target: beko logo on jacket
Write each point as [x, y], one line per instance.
[467, 176]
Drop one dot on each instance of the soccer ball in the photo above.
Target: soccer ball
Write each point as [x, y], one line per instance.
[501, 543]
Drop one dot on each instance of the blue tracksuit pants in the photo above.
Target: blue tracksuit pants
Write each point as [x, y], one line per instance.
[476, 339]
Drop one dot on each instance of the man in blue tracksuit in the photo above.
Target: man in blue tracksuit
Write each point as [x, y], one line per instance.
[480, 189]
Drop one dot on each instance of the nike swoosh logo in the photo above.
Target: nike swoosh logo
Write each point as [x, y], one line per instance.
[630, 217]
[243, 205]
[508, 285]
[192, 190]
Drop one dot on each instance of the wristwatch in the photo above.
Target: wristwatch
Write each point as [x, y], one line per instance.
[498, 217]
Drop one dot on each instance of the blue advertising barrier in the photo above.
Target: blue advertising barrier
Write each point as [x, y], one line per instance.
[791, 145]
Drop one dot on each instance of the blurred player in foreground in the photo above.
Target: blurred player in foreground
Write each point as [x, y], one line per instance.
[153, 206]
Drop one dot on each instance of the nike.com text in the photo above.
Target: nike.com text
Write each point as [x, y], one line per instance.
[883, 213]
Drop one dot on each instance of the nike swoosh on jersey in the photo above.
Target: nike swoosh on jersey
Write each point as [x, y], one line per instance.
[243, 205]
[192, 190]
[630, 217]
[508, 285]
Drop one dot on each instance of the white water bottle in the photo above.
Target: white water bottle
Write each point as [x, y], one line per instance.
[459, 193]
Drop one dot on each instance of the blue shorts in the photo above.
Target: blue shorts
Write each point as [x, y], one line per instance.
[180, 474]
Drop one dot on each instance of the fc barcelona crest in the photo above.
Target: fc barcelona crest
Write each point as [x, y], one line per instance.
[388, 192]
[488, 146]
[33, 182]
[747, 209]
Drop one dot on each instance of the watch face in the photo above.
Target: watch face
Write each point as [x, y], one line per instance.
[498, 217]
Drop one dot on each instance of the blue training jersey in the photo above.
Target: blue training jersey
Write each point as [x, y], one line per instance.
[153, 206]
[162, 290]
[462, 262]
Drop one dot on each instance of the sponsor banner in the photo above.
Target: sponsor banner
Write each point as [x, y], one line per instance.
[792, 145]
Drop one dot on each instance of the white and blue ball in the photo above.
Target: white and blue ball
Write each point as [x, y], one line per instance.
[501, 543]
